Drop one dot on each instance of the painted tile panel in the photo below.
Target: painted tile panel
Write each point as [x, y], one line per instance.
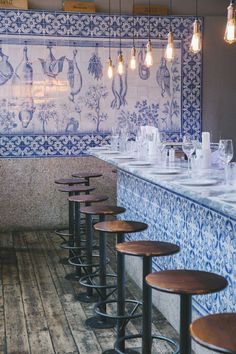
[53, 88]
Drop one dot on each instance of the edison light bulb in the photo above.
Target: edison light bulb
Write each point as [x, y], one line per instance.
[120, 68]
[196, 45]
[149, 56]
[170, 52]
[110, 69]
[230, 32]
[133, 63]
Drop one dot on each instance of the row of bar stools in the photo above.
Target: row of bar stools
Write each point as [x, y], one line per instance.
[88, 281]
[186, 283]
[216, 332]
[72, 244]
[85, 263]
[146, 250]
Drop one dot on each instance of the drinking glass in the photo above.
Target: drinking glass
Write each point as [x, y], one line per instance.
[226, 153]
[188, 147]
[114, 138]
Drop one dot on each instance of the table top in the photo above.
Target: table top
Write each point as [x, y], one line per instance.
[206, 187]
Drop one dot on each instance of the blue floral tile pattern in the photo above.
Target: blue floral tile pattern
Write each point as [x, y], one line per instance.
[207, 238]
[67, 99]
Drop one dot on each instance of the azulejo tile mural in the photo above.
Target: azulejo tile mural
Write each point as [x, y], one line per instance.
[206, 237]
[56, 99]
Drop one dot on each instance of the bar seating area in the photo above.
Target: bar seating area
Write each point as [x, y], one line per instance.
[118, 177]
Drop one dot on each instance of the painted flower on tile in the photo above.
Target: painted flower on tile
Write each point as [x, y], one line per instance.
[92, 100]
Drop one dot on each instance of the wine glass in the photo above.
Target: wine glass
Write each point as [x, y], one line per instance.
[226, 153]
[188, 147]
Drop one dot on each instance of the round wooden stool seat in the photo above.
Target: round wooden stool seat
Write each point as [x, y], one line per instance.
[186, 282]
[102, 210]
[78, 189]
[92, 198]
[120, 226]
[147, 248]
[87, 174]
[70, 181]
[216, 332]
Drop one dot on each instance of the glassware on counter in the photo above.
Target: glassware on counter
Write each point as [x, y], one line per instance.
[226, 153]
[188, 147]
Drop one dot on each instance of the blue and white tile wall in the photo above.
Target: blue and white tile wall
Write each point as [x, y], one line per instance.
[206, 237]
[56, 99]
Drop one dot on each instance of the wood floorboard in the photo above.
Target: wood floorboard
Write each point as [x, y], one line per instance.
[38, 310]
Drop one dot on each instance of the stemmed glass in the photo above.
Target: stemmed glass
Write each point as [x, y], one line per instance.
[114, 138]
[188, 147]
[226, 153]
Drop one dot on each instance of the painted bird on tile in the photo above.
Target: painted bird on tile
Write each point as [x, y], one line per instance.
[52, 66]
[163, 78]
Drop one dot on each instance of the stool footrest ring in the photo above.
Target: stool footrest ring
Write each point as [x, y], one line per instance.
[78, 262]
[70, 245]
[128, 316]
[63, 233]
[136, 336]
[84, 281]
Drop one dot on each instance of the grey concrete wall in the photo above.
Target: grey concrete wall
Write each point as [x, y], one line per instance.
[29, 199]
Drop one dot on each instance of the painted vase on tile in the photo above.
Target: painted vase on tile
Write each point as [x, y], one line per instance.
[24, 71]
[6, 69]
[26, 113]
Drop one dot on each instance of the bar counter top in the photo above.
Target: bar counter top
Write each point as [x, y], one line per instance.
[211, 197]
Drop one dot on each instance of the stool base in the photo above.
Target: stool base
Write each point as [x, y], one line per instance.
[88, 299]
[97, 322]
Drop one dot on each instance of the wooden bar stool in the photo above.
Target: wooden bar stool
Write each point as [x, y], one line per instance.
[120, 228]
[216, 332]
[101, 286]
[87, 176]
[85, 263]
[186, 283]
[68, 182]
[72, 243]
[146, 250]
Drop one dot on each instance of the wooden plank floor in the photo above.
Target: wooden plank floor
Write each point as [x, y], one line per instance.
[38, 312]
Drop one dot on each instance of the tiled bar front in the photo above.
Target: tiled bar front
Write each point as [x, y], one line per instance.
[206, 237]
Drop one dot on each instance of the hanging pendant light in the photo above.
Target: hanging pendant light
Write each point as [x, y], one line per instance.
[170, 48]
[149, 53]
[120, 67]
[110, 64]
[230, 32]
[133, 60]
[196, 44]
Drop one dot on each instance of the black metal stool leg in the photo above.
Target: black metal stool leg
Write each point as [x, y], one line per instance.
[147, 308]
[97, 321]
[185, 320]
[77, 238]
[71, 230]
[88, 295]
